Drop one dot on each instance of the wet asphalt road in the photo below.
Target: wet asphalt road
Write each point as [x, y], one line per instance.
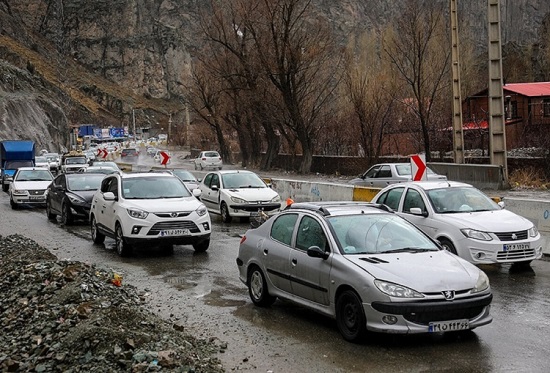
[203, 293]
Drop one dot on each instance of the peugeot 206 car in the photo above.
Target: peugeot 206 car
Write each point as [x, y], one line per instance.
[208, 159]
[70, 196]
[465, 221]
[149, 209]
[29, 186]
[238, 193]
[364, 266]
[384, 174]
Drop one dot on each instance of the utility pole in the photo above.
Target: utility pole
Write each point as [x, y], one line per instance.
[187, 125]
[134, 123]
[169, 137]
[458, 132]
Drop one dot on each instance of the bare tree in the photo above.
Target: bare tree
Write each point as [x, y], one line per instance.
[419, 51]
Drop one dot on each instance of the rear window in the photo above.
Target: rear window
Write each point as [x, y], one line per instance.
[129, 151]
[211, 154]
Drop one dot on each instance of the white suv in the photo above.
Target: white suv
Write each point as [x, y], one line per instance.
[149, 209]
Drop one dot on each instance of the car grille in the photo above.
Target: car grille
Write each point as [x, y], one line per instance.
[38, 192]
[504, 256]
[507, 236]
[165, 225]
[172, 214]
[427, 316]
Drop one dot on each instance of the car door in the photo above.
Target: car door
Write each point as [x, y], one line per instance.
[276, 251]
[413, 198]
[210, 192]
[58, 189]
[383, 177]
[310, 277]
[105, 210]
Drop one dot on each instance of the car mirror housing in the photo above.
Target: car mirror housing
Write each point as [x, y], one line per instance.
[215, 187]
[418, 211]
[109, 196]
[316, 252]
[196, 192]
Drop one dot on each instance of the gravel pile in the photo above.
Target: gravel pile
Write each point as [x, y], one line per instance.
[67, 316]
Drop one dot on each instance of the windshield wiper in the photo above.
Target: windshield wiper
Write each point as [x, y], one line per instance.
[408, 250]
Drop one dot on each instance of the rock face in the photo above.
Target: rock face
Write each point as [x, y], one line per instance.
[144, 49]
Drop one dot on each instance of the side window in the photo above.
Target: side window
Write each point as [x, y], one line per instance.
[413, 199]
[113, 186]
[385, 171]
[283, 227]
[105, 184]
[392, 197]
[215, 180]
[372, 171]
[310, 234]
[208, 180]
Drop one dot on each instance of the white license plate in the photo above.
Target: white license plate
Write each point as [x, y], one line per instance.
[516, 246]
[448, 326]
[175, 232]
[40, 198]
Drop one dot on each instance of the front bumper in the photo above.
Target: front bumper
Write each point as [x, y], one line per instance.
[31, 200]
[489, 252]
[248, 208]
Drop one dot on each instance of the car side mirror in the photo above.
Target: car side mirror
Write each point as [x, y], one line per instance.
[109, 196]
[196, 192]
[316, 252]
[215, 187]
[501, 204]
[418, 211]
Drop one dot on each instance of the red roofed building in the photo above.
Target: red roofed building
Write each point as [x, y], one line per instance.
[527, 108]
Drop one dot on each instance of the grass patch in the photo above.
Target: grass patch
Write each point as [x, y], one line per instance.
[528, 178]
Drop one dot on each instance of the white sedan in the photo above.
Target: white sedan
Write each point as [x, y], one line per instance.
[465, 221]
[238, 193]
[29, 186]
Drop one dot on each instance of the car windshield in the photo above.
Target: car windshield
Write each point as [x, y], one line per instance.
[460, 200]
[40, 160]
[75, 160]
[14, 165]
[378, 233]
[33, 175]
[153, 187]
[242, 180]
[106, 164]
[79, 183]
[405, 170]
[184, 175]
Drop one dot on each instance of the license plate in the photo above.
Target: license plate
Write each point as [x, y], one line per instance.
[40, 198]
[448, 326]
[516, 246]
[175, 232]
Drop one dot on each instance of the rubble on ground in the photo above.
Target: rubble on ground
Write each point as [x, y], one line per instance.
[68, 316]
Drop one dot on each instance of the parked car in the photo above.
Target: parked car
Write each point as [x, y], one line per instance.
[465, 221]
[187, 177]
[70, 196]
[366, 267]
[29, 186]
[237, 193]
[208, 159]
[149, 209]
[384, 174]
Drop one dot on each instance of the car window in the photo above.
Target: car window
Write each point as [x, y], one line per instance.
[310, 234]
[215, 180]
[33, 175]
[283, 227]
[59, 181]
[457, 200]
[371, 172]
[385, 171]
[242, 180]
[413, 199]
[208, 180]
[83, 183]
[391, 198]
[403, 169]
[211, 154]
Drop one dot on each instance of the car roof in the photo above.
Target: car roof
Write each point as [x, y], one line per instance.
[225, 172]
[436, 184]
[332, 208]
[32, 168]
[147, 174]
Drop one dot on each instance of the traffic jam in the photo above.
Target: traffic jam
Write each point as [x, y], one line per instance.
[434, 258]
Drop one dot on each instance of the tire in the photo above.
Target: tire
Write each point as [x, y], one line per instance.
[257, 288]
[196, 168]
[5, 187]
[448, 245]
[13, 204]
[49, 213]
[66, 215]
[122, 248]
[97, 236]
[224, 211]
[350, 317]
[202, 246]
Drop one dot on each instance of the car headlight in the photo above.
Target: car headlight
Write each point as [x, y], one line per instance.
[238, 200]
[276, 199]
[201, 211]
[476, 235]
[482, 282]
[395, 290]
[533, 231]
[138, 214]
[19, 191]
[75, 199]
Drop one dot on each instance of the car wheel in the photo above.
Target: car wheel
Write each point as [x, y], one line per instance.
[49, 212]
[66, 215]
[5, 187]
[257, 288]
[202, 246]
[97, 236]
[448, 245]
[13, 204]
[224, 211]
[350, 317]
[196, 168]
[122, 248]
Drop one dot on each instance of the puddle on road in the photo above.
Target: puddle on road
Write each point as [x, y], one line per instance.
[217, 298]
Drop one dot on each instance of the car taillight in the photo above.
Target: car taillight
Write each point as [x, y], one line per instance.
[243, 239]
[204, 159]
[220, 158]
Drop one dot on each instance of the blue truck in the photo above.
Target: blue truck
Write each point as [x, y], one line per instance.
[15, 154]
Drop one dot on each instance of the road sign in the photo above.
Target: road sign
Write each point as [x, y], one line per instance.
[164, 158]
[103, 153]
[418, 167]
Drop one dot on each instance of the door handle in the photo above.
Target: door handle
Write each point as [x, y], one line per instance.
[294, 262]
[266, 251]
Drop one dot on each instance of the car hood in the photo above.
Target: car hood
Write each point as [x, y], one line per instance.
[423, 271]
[87, 195]
[191, 185]
[489, 221]
[31, 184]
[252, 194]
[165, 205]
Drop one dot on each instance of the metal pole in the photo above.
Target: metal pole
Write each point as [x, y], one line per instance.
[187, 125]
[169, 137]
[134, 122]
[458, 132]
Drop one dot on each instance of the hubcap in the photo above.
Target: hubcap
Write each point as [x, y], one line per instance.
[256, 285]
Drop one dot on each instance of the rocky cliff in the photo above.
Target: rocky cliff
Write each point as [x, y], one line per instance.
[73, 61]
